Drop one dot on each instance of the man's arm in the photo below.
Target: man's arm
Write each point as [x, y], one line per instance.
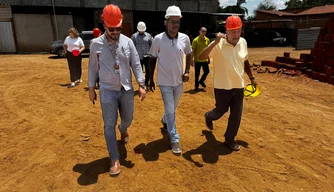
[188, 62]
[135, 64]
[248, 71]
[153, 62]
[205, 53]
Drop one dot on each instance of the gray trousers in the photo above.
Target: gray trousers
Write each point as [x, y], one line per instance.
[226, 99]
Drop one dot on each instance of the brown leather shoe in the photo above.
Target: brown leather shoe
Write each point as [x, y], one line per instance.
[114, 168]
[125, 138]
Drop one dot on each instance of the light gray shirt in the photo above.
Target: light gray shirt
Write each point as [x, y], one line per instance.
[171, 56]
[102, 61]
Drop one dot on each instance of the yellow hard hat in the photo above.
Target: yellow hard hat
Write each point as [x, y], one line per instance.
[252, 90]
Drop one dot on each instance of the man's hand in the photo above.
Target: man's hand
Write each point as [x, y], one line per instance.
[152, 86]
[142, 93]
[219, 36]
[209, 61]
[192, 63]
[92, 95]
[185, 77]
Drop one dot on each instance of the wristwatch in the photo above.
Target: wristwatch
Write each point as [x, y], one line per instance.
[142, 86]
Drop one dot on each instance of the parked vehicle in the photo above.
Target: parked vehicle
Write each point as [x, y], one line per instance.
[57, 47]
[275, 38]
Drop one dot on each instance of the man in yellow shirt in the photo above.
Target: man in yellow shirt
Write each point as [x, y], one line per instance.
[199, 43]
[230, 61]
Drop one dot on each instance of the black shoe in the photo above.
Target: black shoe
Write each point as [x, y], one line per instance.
[196, 89]
[233, 144]
[165, 125]
[202, 83]
[208, 123]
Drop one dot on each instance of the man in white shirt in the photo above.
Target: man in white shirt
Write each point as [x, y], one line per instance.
[170, 47]
[230, 61]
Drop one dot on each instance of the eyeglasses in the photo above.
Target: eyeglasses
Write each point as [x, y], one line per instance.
[112, 29]
[203, 31]
[175, 22]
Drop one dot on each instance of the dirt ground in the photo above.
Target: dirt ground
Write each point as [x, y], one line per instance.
[286, 134]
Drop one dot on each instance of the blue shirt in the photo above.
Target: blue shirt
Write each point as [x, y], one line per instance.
[102, 61]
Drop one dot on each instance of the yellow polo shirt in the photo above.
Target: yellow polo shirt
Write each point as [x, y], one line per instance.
[198, 45]
[228, 64]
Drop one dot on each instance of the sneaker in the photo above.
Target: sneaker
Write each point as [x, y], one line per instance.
[71, 85]
[80, 80]
[164, 124]
[233, 144]
[114, 168]
[202, 83]
[208, 123]
[176, 148]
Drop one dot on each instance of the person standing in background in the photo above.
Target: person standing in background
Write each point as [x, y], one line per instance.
[199, 43]
[73, 41]
[143, 42]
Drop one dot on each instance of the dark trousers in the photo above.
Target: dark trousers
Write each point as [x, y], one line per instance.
[206, 71]
[74, 64]
[145, 62]
[226, 99]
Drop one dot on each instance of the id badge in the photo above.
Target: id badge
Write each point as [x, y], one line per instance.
[116, 68]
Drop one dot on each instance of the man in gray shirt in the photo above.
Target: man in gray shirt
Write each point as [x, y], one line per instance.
[112, 56]
[143, 42]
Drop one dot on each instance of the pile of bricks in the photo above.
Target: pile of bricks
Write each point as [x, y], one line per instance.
[323, 55]
[319, 64]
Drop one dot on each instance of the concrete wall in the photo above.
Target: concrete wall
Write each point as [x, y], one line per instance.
[33, 32]
[64, 22]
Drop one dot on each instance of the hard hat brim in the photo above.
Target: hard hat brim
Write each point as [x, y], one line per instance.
[234, 28]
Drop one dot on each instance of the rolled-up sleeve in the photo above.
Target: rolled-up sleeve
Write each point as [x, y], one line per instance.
[93, 66]
[135, 63]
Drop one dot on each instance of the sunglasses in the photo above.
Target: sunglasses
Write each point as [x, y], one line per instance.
[111, 29]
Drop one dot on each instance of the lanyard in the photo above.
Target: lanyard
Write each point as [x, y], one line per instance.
[114, 51]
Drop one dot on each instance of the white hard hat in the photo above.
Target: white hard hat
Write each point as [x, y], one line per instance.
[173, 11]
[141, 26]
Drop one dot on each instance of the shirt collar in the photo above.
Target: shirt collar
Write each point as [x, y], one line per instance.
[169, 37]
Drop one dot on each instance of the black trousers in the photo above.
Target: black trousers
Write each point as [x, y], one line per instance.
[74, 65]
[206, 71]
[145, 62]
[226, 99]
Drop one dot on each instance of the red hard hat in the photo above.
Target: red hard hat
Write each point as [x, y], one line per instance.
[96, 32]
[233, 22]
[112, 16]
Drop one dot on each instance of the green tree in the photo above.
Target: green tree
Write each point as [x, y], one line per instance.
[265, 5]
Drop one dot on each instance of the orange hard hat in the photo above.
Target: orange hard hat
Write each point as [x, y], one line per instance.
[233, 22]
[96, 32]
[112, 16]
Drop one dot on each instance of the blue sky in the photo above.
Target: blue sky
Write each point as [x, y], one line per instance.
[252, 4]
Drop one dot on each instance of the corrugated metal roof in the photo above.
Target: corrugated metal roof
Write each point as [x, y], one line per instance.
[279, 13]
[307, 37]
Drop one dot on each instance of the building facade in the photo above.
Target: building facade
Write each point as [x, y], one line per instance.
[31, 25]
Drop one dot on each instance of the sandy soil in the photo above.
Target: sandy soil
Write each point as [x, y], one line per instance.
[287, 135]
